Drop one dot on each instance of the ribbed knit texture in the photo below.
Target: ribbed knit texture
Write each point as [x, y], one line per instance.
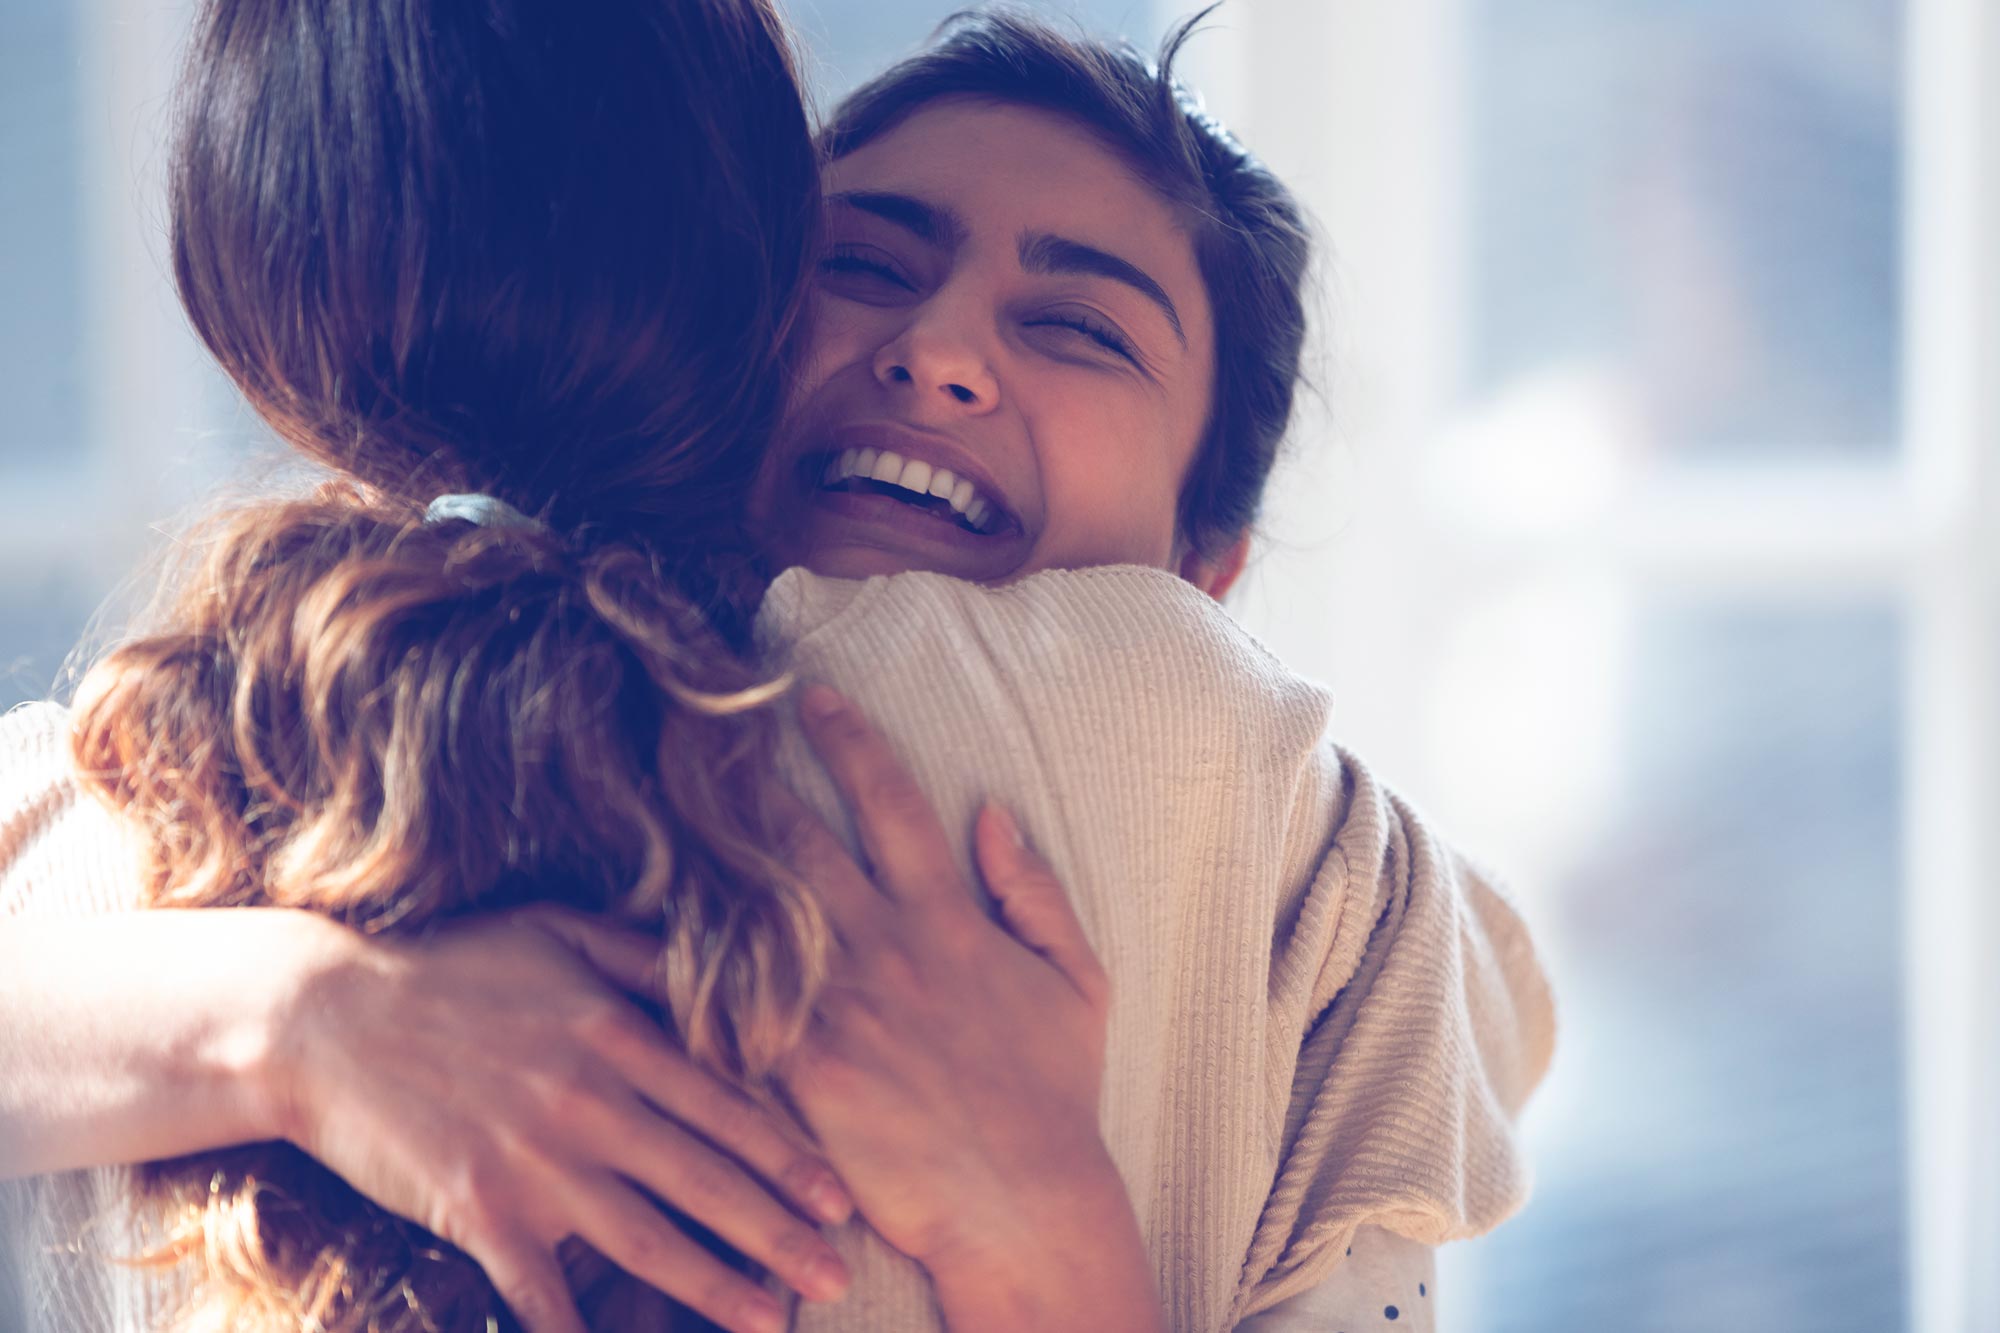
[1322, 1019]
[62, 855]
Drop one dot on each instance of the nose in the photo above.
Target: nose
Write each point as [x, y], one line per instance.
[942, 365]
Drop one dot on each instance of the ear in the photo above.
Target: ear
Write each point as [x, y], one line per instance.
[1215, 575]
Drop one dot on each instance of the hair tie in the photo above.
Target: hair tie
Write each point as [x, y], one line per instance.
[485, 511]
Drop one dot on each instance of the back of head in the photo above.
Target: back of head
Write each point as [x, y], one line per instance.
[1249, 234]
[544, 253]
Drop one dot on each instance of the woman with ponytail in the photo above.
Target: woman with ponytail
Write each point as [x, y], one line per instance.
[517, 278]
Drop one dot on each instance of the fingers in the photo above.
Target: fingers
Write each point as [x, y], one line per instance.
[687, 1093]
[712, 1190]
[846, 892]
[632, 1233]
[530, 1280]
[1033, 903]
[682, 1090]
[900, 833]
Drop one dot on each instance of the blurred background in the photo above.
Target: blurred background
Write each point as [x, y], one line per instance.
[1645, 518]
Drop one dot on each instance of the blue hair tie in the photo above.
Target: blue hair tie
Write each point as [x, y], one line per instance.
[484, 511]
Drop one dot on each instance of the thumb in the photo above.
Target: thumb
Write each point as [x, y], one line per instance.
[1033, 904]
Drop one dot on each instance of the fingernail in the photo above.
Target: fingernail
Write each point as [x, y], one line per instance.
[829, 1201]
[827, 1279]
[819, 703]
[1009, 825]
[764, 1314]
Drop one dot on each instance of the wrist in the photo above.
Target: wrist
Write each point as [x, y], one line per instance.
[268, 1054]
[1065, 1257]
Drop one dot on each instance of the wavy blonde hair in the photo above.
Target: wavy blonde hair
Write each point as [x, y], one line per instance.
[546, 254]
[393, 724]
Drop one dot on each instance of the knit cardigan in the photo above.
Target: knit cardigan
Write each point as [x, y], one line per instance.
[1323, 1019]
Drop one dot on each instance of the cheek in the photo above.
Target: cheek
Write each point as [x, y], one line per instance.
[842, 334]
[1114, 485]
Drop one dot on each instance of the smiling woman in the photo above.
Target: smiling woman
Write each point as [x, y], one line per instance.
[1002, 300]
[1046, 276]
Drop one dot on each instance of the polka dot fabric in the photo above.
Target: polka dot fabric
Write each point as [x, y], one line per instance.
[1382, 1282]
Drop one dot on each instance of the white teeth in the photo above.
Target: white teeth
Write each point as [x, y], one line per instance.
[913, 475]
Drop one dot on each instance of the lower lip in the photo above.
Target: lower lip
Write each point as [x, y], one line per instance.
[851, 534]
[883, 511]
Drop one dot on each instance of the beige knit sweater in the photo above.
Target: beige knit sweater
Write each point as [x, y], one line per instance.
[1323, 1019]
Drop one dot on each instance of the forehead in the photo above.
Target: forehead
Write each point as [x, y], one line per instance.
[1005, 168]
[1008, 172]
[979, 135]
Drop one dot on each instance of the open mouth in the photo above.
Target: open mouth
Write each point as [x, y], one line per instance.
[933, 490]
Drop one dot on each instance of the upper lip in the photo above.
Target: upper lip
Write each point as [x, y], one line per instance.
[912, 443]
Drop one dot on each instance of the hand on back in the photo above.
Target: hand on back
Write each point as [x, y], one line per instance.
[954, 1064]
[497, 1084]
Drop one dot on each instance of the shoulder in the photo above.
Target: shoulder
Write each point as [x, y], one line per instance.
[1119, 635]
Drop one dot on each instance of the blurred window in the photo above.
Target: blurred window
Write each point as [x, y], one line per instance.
[116, 422]
[1721, 1143]
[41, 216]
[1698, 198]
[1683, 260]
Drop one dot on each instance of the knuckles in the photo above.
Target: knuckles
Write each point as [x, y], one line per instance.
[642, 1249]
[706, 1182]
[893, 794]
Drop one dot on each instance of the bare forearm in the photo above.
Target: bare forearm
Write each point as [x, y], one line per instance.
[143, 1035]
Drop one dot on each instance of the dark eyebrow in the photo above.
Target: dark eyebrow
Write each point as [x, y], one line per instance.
[1043, 253]
[927, 222]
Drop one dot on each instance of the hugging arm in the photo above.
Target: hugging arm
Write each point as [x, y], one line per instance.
[495, 1083]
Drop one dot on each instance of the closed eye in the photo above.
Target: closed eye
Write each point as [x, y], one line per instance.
[1102, 334]
[856, 264]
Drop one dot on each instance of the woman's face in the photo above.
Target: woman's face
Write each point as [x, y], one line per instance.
[1009, 363]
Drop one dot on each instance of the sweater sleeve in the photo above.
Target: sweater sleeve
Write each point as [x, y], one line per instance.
[63, 1236]
[61, 853]
[1426, 1021]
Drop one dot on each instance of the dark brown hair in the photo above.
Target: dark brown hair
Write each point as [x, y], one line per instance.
[545, 253]
[1249, 234]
